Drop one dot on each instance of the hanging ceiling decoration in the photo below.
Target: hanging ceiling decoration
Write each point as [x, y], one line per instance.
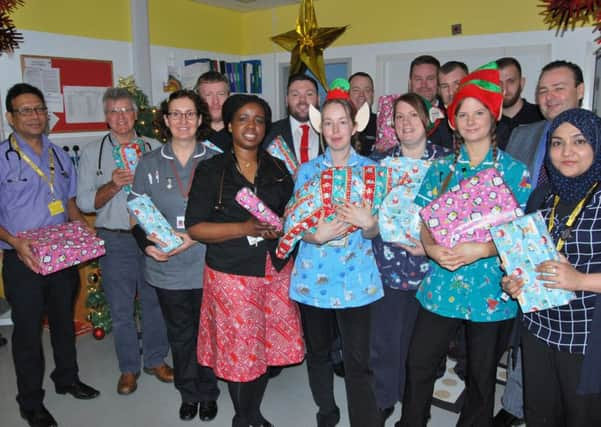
[10, 38]
[566, 14]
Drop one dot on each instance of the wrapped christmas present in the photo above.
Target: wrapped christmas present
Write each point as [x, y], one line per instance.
[127, 156]
[212, 146]
[385, 136]
[57, 247]
[249, 201]
[280, 150]
[153, 222]
[468, 210]
[523, 244]
[398, 217]
[319, 197]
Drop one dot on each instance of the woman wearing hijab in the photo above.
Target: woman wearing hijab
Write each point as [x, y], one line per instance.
[562, 345]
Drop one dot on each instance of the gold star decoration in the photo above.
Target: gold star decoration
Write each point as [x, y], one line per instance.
[307, 42]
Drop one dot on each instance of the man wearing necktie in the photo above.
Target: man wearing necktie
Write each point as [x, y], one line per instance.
[295, 129]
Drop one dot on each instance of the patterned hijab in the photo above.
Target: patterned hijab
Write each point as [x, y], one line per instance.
[574, 189]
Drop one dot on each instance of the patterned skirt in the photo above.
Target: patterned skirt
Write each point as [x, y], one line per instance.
[248, 323]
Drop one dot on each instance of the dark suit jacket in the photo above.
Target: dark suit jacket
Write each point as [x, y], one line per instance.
[523, 143]
[282, 128]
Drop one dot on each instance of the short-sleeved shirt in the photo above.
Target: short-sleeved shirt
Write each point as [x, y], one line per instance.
[184, 270]
[93, 174]
[398, 268]
[330, 275]
[568, 327]
[214, 188]
[24, 195]
[471, 292]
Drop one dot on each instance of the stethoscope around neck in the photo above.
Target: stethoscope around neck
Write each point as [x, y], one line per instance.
[11, 150]
[108, 135]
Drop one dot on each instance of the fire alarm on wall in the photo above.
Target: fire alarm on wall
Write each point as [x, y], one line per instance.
[456, 29]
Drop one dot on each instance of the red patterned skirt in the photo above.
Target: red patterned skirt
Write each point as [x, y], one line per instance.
[248, 323]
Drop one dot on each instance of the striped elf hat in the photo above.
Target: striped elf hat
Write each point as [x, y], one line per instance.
[483, 84]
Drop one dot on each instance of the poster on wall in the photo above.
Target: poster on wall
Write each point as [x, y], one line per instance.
[73, 88]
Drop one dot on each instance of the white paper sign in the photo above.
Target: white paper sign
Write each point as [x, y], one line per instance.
[83, 104]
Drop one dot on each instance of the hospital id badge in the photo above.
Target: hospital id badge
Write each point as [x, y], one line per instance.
[56, 207]
[338, 243]
[180, 222]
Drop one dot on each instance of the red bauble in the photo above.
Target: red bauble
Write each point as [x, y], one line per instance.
[99, 333]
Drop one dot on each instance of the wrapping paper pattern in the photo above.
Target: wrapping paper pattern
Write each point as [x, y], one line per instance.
[319, 197]
[57, 247]
[468, 211]
[385, 136]
[280, 150]
[522, 245]
[126, 157]
[249, 201]
[399, 215]
[153, 222]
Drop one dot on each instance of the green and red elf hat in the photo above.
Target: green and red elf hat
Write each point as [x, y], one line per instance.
[339, 89]
[483, 84]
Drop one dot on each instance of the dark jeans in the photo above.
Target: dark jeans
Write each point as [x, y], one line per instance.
[181, 310]
[355, 328]
[30, 296]
[550, 381]
[486, 342]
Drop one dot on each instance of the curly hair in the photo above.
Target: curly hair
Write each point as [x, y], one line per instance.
[202, 110]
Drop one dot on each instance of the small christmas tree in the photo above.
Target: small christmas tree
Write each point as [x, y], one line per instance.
[99, 314]
[146, 125]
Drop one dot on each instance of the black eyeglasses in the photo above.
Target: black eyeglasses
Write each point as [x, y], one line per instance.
[177, 115]
[29, 111]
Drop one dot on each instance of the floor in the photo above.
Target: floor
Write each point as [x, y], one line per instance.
[287, 402]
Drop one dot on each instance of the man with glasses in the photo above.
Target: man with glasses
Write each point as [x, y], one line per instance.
[103, 189]
[37, 188]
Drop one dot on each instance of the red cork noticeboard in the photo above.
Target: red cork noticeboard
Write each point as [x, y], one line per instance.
[78, 72]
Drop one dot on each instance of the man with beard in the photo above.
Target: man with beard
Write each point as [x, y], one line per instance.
[214, 89]
[295, 129]
[516, 110]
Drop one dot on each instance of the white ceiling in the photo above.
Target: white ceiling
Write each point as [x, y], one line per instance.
[247, 5]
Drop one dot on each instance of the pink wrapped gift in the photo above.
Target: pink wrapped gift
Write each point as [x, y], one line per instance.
[386, 136]
[249, 201]
[280, 150]
[468, 211]
[57, 247]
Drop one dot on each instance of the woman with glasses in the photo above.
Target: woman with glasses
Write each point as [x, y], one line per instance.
[165, 175]
[247, 322]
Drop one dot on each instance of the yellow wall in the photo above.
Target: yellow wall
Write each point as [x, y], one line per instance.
[190, 25]
[106, 19]
[380, 21]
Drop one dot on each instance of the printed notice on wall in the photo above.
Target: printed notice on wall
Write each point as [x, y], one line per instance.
[83, 104]
[49, 82]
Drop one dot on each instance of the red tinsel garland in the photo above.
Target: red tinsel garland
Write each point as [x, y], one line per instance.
[10, 38]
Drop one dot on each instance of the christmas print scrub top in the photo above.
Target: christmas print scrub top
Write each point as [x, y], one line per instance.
[471, 292]
[333, 275]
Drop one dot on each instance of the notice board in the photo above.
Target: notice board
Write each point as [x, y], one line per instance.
[76, 87]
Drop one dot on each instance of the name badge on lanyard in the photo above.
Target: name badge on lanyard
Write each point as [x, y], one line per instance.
[55, 207]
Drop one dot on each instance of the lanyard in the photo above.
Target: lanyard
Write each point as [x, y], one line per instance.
[184, 191]
[571, 218]
[32, 165]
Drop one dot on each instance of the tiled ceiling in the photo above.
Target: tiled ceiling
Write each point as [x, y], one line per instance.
[247, 5]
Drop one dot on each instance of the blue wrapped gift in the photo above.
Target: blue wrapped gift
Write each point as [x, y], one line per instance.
[523, 244]
[399, 216]
[153, 222]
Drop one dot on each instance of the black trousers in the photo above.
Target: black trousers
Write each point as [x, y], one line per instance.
[30, 296]
[181, 310]
[246, 398]
[550, 381]
[355, 327]
[486, 342]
